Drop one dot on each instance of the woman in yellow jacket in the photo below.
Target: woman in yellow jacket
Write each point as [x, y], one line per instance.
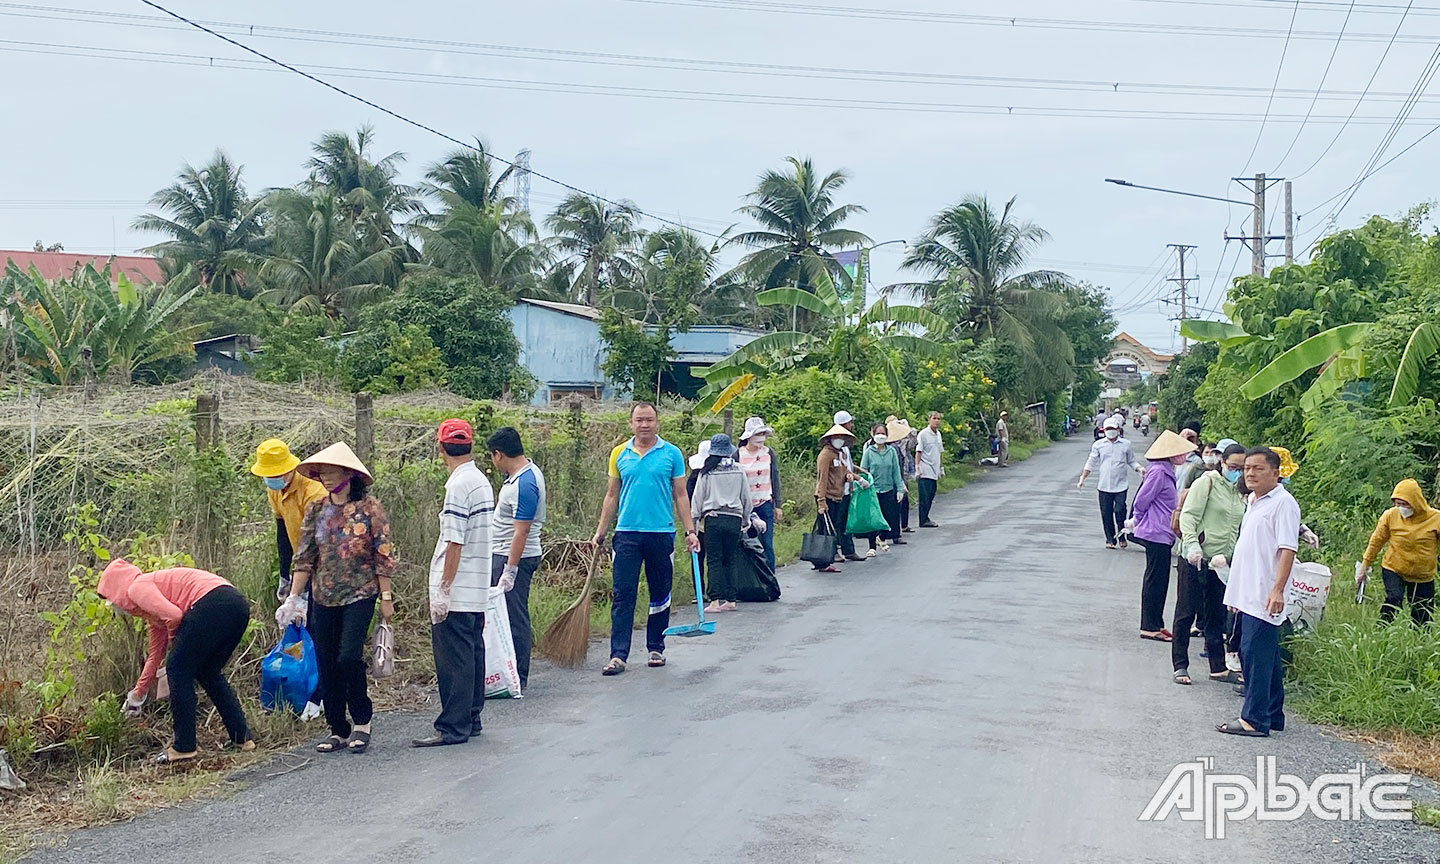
[1410, 531]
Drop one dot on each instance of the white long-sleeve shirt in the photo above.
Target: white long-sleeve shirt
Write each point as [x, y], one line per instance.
[1110, 462]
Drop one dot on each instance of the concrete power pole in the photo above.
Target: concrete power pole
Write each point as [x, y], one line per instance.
[1257, 231]
[1183, 282]
[1289, 226]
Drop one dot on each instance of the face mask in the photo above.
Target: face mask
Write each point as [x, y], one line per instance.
[881, 438]
[837, 443]
[1212, 460]
[344, 484]
[1405, 510]
[1232, 474]
[1112, 434]
[276, 483]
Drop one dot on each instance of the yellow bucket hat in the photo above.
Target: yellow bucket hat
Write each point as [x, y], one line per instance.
[273, 459]
[1288, 465]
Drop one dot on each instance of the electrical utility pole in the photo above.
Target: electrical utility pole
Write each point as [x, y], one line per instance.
[1183, 281]
[1257, 238]
[1289, 226]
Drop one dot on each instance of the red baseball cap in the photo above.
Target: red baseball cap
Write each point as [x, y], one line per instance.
[456, 432]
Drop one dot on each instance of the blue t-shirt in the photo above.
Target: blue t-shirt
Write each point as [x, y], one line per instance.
[647, 500]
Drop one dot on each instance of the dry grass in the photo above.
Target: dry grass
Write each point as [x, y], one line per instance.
[1403, 751]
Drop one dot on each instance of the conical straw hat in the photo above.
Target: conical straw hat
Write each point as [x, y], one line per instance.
[338, 454]
[1169, 444]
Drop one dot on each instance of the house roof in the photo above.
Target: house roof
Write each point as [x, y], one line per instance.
[1122, 336]
[59, 265]
[568, 308]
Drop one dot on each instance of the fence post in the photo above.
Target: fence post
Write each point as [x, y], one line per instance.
[207, 422]
[211, 541]
[577, 456]
[365, 428]
[729, 422]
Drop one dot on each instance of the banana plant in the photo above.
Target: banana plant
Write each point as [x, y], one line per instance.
[1423, 344]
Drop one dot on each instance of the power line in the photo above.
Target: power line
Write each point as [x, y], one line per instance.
[728, 97]
[1323, 76]
[1373, 73]
[1279, 67]
[417, 124]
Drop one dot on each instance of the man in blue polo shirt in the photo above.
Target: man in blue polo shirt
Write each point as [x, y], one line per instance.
[647, 487]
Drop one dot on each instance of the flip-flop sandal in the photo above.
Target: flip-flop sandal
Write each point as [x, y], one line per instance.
[175, 761]
[330, 745]
[831, 569]
[1182, 676]
[614, 667]
[1156, 637]
[1109, 545]
[1235, 727]
[359, 741]
[1228, 678]
[656, 659]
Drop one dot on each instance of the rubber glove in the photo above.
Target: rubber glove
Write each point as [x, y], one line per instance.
[1195, 558]
[1080, 484]
[292, 611]
[440, 602]
[1219, 563]
[133, 705]
[1130, 524]
[1309, 537]
[758, 524]
[1360, 569]
[507, 578]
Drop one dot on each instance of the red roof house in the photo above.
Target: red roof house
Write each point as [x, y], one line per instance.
[59, 265]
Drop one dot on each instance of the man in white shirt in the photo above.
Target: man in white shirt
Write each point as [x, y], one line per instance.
[460, 589]
[515, 536]
[1002, 439]
[1259, 570]
[1111, 458]
[929, 451]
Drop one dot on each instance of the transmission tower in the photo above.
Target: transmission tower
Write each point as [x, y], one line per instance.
[522, 178]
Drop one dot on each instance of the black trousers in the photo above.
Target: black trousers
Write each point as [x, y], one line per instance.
[722, 557]
[905, 497]
[1199, 595]
[208, 634]
[517, 606]
[459, 646]
[927, 497]
[839, 514]
[339, 633]
[1112, 513]
[890, 508]
[1155, 585]
[1420, 594]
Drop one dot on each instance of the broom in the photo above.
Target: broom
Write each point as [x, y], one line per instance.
[567, 640]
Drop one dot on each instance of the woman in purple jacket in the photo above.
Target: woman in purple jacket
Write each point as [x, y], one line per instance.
[1153, 505]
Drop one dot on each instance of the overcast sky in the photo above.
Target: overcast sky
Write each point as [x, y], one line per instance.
[918, 120]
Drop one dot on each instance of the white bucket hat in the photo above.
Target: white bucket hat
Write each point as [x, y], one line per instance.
[698, 460]
[842, 417]
[754, 426]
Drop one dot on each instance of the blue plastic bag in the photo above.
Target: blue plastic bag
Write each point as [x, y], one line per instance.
[290, 672]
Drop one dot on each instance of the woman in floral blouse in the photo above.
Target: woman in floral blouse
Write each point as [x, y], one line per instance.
[346, 556]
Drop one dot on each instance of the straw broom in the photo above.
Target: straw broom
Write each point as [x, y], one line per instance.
[568, 639]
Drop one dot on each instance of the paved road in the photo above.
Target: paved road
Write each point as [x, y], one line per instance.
[979, 695]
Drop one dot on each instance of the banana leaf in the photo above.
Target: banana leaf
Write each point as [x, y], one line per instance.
[1302, 358]
[1222, 332]
[1348, 365]
[1424, 343]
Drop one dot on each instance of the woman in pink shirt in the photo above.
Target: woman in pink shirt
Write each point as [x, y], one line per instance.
[199, 618]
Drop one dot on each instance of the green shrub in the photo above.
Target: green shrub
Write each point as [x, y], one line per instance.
[802, 405]
[389, 358]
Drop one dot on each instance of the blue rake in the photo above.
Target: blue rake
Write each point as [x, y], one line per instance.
[700, 627]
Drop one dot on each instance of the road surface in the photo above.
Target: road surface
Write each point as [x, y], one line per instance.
[978, 695]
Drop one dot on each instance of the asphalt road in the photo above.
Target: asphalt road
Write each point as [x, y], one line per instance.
[978, 695]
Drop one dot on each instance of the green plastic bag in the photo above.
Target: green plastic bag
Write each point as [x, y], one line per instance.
[866, 517]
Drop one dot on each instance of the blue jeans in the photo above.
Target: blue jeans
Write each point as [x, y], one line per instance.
[766, 512]
[1264, 674]
[656, 551]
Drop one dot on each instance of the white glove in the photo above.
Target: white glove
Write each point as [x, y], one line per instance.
[440, 603]
[1130, 524]
[1309, 537]
[133, 705]
[507, 578]
[1219, 563]
[1195, 558]
[1360, 571]
[1080, 484]
[292, 611]
[758, 524]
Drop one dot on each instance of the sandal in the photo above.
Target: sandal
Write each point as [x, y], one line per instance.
[656, 659]
[330, 745]
[828, 569]
[1227, 677]
[359, 741]
[1182, 676]
[614, 667]
[170, 757]
[1237, 727]
[1157, 636]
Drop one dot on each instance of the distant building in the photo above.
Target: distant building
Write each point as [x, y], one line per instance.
[561, 346]
[1131, 362]
[226, 353]
[61, 265]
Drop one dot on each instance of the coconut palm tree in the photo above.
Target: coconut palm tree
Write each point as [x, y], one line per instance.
[369, 188]
[317, 264]
[212, 224]
[799, 226]
[975, 259]
[596, 243]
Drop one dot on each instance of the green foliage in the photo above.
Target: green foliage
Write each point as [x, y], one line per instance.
[1177, 405]
[468, 323]
[223, 314]
[633, 356]
[801, 405]
[297, 347]
[959, 389]
[392, 359]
